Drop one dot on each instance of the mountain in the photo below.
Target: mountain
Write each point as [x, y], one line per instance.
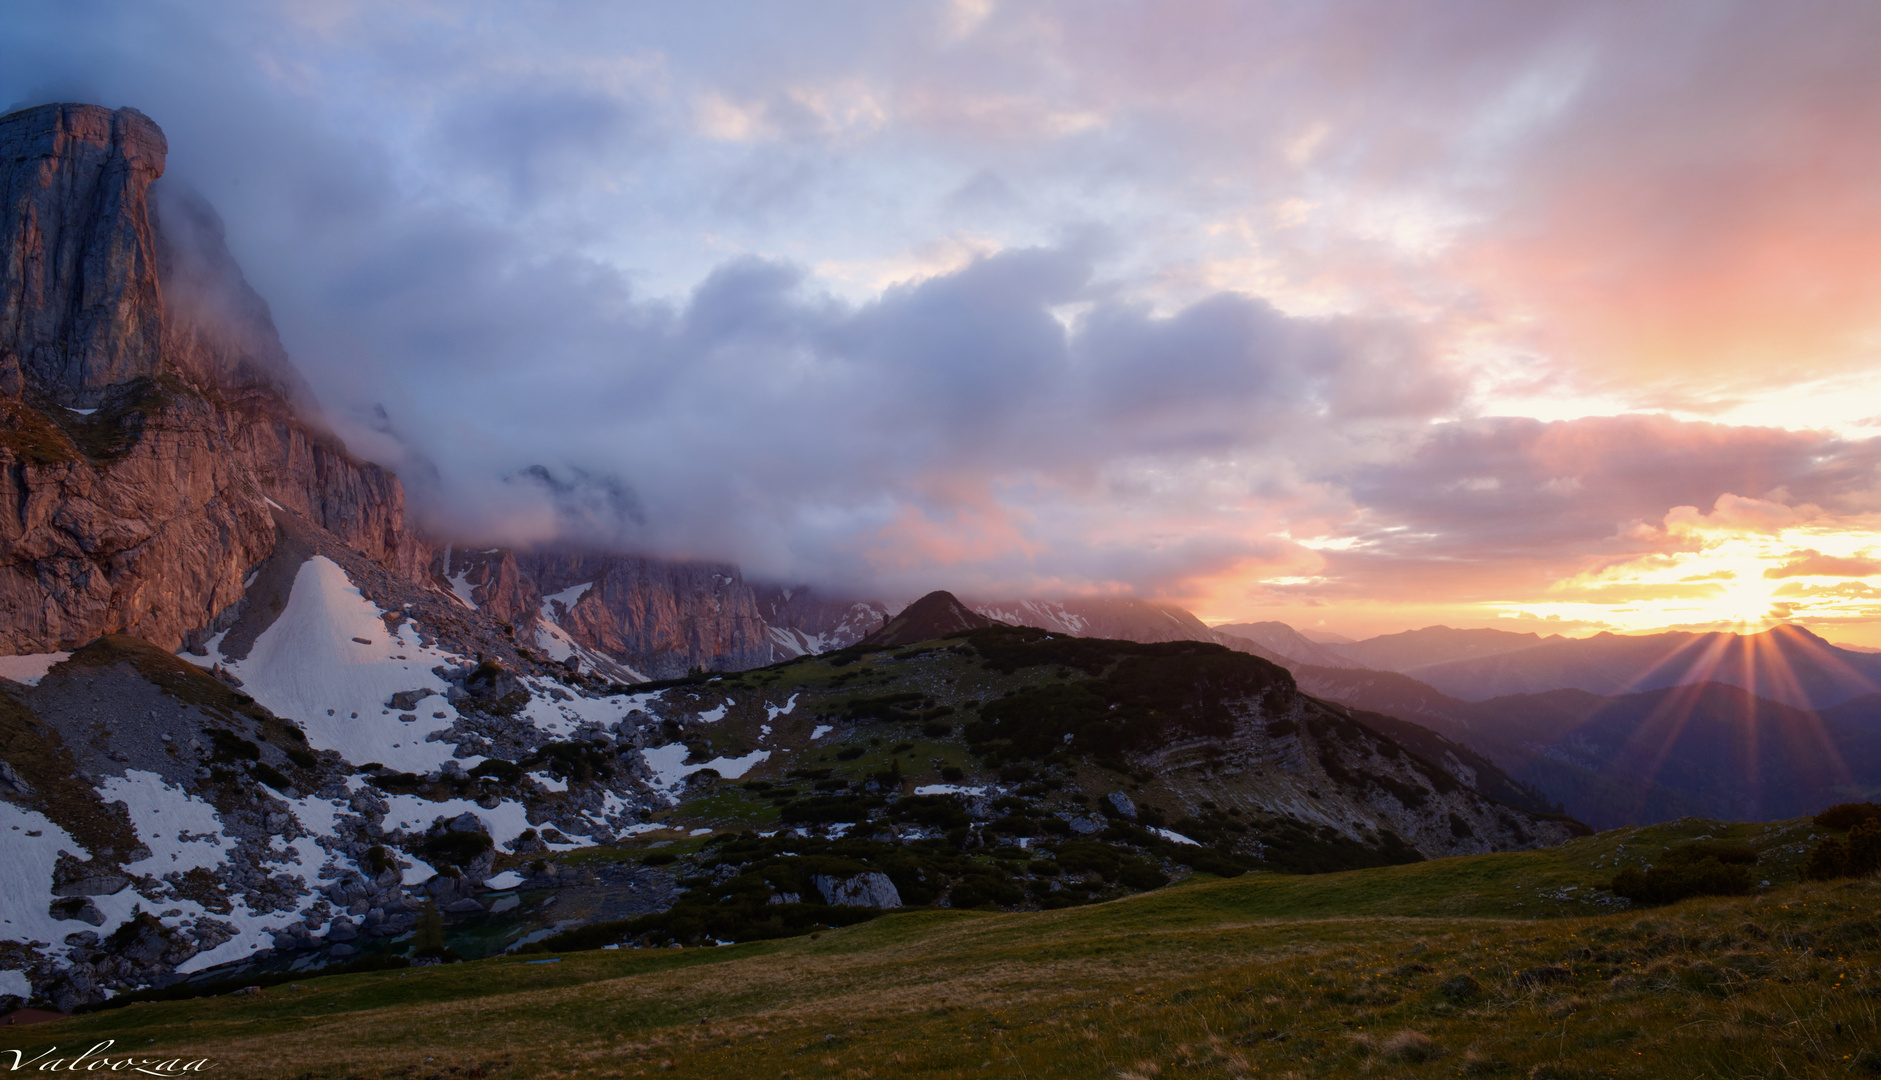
[1709, 749]
[1786, 664]
[935, 615]
[1285, 641]
[803, 621]
[1414, 649]
[147, 415]
[1117, 618]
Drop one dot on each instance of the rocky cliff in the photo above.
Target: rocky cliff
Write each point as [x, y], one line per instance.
[147, 409]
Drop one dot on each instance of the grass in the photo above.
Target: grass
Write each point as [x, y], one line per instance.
[1476, 966]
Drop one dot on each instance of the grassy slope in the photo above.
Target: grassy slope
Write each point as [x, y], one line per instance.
[1262, 975]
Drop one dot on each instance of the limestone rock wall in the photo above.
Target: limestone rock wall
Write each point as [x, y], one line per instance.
[147, 407]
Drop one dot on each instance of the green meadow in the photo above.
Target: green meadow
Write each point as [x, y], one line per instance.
[1496, 965]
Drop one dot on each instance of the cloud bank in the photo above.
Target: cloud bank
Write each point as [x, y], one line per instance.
[1256, 307]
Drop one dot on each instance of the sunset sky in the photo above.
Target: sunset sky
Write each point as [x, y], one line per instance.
[1360, 316]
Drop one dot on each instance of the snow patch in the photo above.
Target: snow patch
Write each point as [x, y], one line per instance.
[30, 667]
[668, 764]
[772, 712]
[182, 831]
[508, 879]
[568, 597]
[821, 730]
[1174, 837]
[948, 789]
[310, 666]
[548, 781]
[29, 848]
[713, 716]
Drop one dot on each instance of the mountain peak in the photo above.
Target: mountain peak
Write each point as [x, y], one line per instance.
[937, 614]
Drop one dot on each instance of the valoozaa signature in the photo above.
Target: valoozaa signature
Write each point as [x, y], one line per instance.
[99, 1058]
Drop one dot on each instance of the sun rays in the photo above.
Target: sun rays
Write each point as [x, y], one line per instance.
[1747, 566]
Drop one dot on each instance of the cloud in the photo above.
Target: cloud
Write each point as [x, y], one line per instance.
[1477, 508]
[1050, 296]
[1808, 563]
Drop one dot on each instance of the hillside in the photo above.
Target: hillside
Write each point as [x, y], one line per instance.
[1708, 749]
[355, 745]
[1787, 664]
[1507, 964]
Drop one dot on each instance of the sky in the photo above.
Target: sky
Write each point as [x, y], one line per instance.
[1559, 317]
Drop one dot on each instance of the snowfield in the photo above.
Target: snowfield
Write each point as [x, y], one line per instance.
[31, 667]
[329, 663]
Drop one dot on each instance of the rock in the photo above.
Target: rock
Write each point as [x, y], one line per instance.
[248, 991]
[342, 929]
[78, 908]
[872, 889]
[1122, 804]
[1084, 826]
[341, 952]
[464, 906]
[465, 822]
[71, 877]
[407, 700]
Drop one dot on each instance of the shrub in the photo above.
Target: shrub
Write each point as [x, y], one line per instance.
[1857, 856]
[1682, 874]
[1848, 815]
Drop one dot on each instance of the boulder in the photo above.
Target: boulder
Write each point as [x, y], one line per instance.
[1122, 804]
[864, 890]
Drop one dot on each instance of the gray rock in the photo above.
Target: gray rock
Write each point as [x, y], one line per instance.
[467, 821]
[1122, 804]
[342, 929]
[341, 952]
[464, 906]
[71, 877]
[77, 908]
[873, 889]
[407, 700]
[1084, 826]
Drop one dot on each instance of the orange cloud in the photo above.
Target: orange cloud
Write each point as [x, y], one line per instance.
[1810, 563]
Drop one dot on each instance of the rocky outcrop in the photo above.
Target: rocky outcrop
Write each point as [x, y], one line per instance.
[147, 408]
[80, 308]
[139, 518]
[659, 616]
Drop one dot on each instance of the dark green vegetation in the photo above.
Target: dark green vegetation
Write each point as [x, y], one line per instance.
[1856, 855]
[1704, 868]
[1507, 965]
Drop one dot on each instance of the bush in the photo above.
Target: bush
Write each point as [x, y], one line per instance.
[1857, 856]
[1724, 851]
[1681, 874]
[1848, 815]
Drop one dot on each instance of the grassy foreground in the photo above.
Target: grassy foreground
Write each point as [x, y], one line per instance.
[1498, 965]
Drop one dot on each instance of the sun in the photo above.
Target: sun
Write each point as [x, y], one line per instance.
[1727, 573]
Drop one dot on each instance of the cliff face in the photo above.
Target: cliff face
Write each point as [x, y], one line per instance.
[660, 617]
[147, 408]
[80, 308]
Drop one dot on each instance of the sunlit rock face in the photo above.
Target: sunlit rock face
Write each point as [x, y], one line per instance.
[149, 409]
